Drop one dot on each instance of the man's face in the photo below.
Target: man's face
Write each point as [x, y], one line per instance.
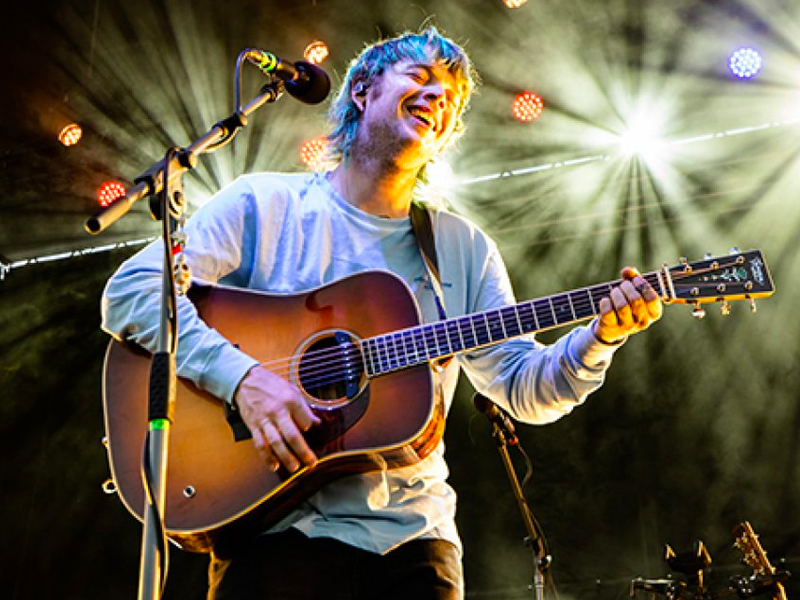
[410, 111]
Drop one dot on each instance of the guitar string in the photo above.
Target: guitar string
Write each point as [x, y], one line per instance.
[578, 304]
[333, 358]
[334, 362]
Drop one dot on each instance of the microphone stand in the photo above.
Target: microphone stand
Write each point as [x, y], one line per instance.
[162, 183]
[504, 435]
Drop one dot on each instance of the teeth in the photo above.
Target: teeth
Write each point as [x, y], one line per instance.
[420, 114]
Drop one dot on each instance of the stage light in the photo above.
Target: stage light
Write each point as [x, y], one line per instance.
[745, 63]
[514, 3]
[110, 191]
[313, 152]
[70, 135]
[527, 106]
[641, 135]
[316, 52]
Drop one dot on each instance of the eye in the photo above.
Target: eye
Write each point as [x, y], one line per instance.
[418, 75]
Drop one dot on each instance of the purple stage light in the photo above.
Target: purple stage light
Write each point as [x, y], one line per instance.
[745, 63]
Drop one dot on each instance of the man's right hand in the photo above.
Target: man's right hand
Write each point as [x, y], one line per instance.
[276, 414]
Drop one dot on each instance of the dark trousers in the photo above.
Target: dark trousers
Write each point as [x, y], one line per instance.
[290, 566]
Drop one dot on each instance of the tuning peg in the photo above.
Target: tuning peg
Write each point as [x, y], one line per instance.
[734, 250]
[753, 305]
[725, 308]
[698, 312]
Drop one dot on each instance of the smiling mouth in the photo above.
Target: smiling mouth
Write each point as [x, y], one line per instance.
[422, 116]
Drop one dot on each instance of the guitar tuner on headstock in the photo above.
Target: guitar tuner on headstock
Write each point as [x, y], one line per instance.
[738, 276]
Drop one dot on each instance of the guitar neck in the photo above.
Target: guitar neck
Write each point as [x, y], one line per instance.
[417, 345]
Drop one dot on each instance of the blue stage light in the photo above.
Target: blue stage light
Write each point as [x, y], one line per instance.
[745, 63]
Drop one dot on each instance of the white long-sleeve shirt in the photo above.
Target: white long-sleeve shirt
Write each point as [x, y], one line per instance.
[290, 232]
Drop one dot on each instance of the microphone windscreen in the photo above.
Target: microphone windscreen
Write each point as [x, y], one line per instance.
[313, 87]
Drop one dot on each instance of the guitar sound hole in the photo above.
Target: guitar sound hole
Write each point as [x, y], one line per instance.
[331, 367]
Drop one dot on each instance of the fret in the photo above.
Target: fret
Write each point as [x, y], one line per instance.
[404, 346]
[460, 334]
[508, 316]
[390, 353]
[469, 338]
[519, 321]
[482, 329]
[502, 324]
[414, 345]
[456, 341]
[583, 310]
[430, 342]
[381, 352]
[596, 301]
[497, 333]
[552, 310]
[368, 362]
[528, 306]
[391, 342]
[420, 332]
[545, 317]
[403, 356]
[474, 333]
[572, 307]
[441, 333]
[560, 306]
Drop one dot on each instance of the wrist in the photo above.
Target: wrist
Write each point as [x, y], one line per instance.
[599, 337]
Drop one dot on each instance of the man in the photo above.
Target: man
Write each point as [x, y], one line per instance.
[387, 534]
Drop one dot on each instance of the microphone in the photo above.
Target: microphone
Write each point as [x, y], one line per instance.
[303, 80]
[497, 416]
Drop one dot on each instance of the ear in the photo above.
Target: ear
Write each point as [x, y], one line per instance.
[358, 94]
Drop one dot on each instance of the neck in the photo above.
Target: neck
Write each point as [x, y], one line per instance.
[381, 189]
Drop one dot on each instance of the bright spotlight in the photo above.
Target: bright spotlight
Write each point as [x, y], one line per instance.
[641, 136]
[514, 3]
[316, 52]
[527, 107]
[313, 152]
[70, 135]
[745, 63]
[110, 191]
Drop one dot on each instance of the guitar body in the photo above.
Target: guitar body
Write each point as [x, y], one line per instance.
[217, 488]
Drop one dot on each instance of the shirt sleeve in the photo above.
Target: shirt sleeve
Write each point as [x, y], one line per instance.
[131, 303]
[535, 383]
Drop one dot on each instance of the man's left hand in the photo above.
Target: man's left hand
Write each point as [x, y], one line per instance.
[631, 307]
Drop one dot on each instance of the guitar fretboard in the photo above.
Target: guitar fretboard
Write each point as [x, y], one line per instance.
[418, 345]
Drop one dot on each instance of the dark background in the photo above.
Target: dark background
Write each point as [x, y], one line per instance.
[697, 426]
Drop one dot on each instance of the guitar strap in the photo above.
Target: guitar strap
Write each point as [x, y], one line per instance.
[423, 231]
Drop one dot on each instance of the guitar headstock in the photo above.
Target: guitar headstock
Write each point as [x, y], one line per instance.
[736, 276]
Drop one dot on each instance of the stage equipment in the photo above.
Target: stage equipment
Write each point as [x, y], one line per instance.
[765, 580]
[504, 436]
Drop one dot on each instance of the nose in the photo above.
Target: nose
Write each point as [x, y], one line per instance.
[435, 95]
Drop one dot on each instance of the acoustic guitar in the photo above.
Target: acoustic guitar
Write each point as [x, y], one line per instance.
[365, 369]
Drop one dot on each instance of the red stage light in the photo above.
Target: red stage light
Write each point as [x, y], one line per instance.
[71, 134]
[110, 191]
[527, 106]
[313, 152]
[316, 52]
